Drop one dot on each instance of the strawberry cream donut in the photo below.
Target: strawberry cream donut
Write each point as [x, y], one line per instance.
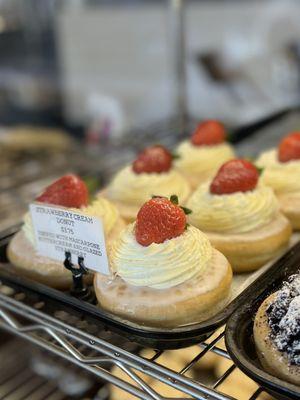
[240, 216]
[71, 193]
[151, 174]
[281, 171]
[200, 157]
[163, 272]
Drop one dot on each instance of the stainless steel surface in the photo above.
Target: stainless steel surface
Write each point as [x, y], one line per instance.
[95, 353]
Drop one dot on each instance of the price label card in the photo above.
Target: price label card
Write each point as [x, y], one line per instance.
[58, 230]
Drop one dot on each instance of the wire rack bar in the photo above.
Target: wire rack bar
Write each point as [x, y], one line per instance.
[224, 376]
[202, 353]
[113, 355]
[256, 394]
[98, 356]
[217, 350]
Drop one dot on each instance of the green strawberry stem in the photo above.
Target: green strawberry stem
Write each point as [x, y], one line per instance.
[186, 210]
[260, 170]
[175, 156]
[174, 199]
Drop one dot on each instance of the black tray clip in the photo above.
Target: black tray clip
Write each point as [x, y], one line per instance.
[79, 288]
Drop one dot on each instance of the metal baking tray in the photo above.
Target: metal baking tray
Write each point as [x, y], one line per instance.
[159, 338]
[239, 329]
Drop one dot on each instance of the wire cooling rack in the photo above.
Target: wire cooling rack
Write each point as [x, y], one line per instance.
[102, 352]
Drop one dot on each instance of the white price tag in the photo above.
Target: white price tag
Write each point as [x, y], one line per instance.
[58, 230]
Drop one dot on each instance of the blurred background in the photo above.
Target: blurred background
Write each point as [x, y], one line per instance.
[130, 63]
[84, 84]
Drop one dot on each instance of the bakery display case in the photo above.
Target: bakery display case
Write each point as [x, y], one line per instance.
[149, 200]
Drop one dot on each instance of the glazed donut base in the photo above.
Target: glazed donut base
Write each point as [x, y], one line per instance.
[193, 301]
[249, 251]
[25, 261]
[290, 207]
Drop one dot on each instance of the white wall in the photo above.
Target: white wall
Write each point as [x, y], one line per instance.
[124, 53]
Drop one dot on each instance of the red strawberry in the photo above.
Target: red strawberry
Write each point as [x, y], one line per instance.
[153, 159]
[160, 219]
[208, 133]
[289, 147]
[67, 191]
[235, 176]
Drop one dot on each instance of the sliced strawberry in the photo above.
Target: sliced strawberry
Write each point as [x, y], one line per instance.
[289, 147]
[235, 176]
[67, 191]
[208, 133]
[153, 159]
[160, 219]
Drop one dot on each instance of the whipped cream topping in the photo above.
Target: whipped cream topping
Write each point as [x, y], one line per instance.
[284, 319]
[238, 212]
[202, 159]
[136, 189]
[28, 228]
[163, 265]
[100, 207]
[282, 177]
[105, 210]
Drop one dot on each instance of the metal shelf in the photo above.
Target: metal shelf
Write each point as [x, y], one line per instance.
[58, 332]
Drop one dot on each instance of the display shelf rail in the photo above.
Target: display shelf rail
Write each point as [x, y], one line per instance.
[69, 337]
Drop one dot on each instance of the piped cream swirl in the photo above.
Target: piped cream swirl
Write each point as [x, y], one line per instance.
[105, 210]
[163, 265]
[100, 207]
[232, 213]
[135, 189]
[202, 160]
[282, 177]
